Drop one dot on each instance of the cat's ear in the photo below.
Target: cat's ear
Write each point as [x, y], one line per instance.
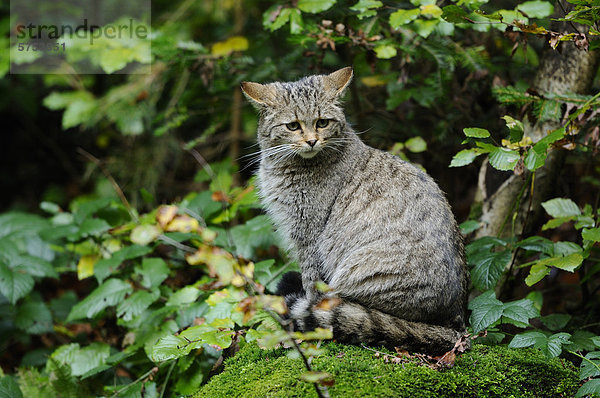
[337, 81]
[259, 94]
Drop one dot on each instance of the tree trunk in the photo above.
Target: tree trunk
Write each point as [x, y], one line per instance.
[505, 201]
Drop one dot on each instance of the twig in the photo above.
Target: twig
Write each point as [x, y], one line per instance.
[164, 386]
[112, 181]
[178, 245]
[148, 373]
[586, 359]
[565, 13]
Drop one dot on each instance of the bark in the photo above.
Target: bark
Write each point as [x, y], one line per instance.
[505, 197]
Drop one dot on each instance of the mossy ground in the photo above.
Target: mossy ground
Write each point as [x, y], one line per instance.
[484, 371]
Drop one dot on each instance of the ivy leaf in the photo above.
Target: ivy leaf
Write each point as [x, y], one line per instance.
[485, 310]
[560, 207]
[110, 293]
[315, 6]
[504, 159]
[402, 17]
[476, 132]
[15, 283]
[464, 157]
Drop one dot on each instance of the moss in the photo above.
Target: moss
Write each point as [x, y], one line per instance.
[484, 371]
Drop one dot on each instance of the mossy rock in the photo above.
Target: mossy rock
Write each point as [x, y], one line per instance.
[484, 371]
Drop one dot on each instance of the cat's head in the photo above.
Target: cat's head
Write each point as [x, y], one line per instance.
[300, 118]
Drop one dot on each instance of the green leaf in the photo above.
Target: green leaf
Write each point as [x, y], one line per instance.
[554, 136]
[366, 8]
[527, 339]
[592, 234]
[79, 106]
[469, 226]
[88, 358]
[587, 368]
[454, 14]
[35, 266]
[488, 268]
[316, 377]
[582, 340]
[537, 244]
[476, 132]
[464, 157]
[520, 312]
[590, 388]
[535, 158]
[296, 23]
[555, 321]
[256, 233]
[553, 346]
[416, 144]
[560, 207]
[385, 51]
[556, 222]
[144, 234]
[169, 347]
[504, 159]
[485, 310]
[567, 263]
[424, 28]
[34, 317]
[536, 9]
[315, 6]
[9, 388]
[136, 304]
[15, 283]
[110, 293]
[185, 295]
[153, 272]
[515, 128]
[402, 17]
[106, 266]
[537, 272]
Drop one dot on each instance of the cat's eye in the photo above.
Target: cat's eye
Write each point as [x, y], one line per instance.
[322, 123]
[293, 126]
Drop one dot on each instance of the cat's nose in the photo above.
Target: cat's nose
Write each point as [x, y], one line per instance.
[311, 142]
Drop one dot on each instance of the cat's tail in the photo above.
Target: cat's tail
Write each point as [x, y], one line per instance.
[353, 323]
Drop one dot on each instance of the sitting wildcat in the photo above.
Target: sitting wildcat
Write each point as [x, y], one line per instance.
[376, 229]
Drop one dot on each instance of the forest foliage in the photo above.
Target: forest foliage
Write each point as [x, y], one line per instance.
[162, 262]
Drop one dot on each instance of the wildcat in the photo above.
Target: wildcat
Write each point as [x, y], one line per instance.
[376, 229]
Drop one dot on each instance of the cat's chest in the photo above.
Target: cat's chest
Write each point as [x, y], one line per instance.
[298, 202]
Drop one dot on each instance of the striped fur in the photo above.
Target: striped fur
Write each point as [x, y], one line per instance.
[376, 229]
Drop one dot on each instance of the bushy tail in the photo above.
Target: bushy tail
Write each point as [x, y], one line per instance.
[353, 323]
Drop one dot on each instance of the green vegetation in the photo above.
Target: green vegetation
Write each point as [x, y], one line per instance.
[134, 253]
[484, 371]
